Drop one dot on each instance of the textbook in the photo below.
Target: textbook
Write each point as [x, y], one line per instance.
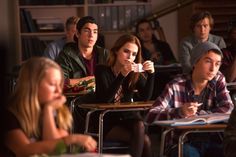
[197, 120]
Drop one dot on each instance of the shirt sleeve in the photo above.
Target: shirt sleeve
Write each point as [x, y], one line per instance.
[65, 61]
[50, 51]
[184, 55]
[222, 43]
[146, 87]
[106, 84]
[163, 107]
[224, 101]
[10, 122]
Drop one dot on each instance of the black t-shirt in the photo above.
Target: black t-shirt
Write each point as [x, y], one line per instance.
[8, 122]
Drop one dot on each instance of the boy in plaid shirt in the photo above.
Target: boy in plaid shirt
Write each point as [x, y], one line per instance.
[205, 84]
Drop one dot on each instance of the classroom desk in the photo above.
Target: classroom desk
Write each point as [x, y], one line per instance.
[70, 84]
[231, 84]
[105, 108]
[232, 89]
[188, 130]
[164, 74]
[175, 67]
[72, 97]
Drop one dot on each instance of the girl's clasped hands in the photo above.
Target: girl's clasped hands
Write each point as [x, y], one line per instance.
[137, 67]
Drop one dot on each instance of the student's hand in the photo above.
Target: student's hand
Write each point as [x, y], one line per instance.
[189, 109]
[84, 140]
[127, 68]
[56, 103]
[149, 66]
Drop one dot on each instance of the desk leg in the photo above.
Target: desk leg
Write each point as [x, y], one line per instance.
[163, 138]
[87, 120]
[182, 137]
[181, 143]
[100, 133]
[72, 110]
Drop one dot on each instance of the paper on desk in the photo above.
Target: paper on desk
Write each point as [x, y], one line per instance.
[196, 120]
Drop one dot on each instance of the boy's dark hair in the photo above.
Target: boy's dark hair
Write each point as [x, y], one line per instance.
[200, 16]
[141, 22]
[83, 21]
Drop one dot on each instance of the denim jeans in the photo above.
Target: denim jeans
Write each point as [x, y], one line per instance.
[200, 149]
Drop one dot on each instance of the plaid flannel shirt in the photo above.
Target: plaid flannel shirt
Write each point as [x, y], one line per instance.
[180, 90]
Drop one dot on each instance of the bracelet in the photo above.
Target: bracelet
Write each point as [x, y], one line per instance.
[60, 148]
[75, 149]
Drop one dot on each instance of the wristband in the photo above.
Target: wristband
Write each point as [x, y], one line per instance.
[75, 149]
[60, 148]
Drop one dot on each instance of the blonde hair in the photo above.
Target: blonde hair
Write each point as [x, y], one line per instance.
[71, 21]
[25, 104]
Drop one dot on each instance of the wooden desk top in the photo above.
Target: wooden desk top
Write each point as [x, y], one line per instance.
[93, 155]
[140, 104]
[231, 86]
[74, 94]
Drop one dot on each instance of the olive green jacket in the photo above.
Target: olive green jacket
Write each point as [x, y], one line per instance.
[72, 63]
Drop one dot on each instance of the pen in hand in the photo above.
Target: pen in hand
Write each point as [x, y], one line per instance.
[190, 109]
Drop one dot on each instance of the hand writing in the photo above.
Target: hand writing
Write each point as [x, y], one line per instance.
[189, 109]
